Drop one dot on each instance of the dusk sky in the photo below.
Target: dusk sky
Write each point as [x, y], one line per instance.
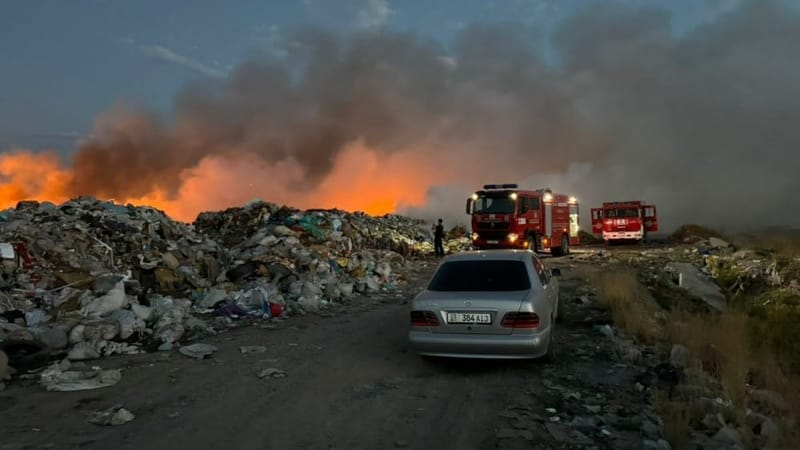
[65, 62]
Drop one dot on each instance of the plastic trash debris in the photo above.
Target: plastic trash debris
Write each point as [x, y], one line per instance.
[198, 351]
[213, 297]
[115, 415]
[231, 310]
[59, 378]
[35, 317]
[108, 303]
[25, 355]
[271, 373]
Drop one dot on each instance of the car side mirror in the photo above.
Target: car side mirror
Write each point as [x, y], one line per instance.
[555, 272]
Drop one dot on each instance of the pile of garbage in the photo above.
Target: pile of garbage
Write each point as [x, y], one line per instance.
[93, 278]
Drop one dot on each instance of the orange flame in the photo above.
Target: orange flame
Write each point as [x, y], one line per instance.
[362, 180]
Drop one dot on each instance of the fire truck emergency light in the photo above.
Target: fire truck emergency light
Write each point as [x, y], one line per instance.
[501, 186]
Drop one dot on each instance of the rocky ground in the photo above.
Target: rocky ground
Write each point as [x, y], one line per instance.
[345, 379]
[264, 326]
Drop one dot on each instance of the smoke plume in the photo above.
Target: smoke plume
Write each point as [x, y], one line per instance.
[703, 125]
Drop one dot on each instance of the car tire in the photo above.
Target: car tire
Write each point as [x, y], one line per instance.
[559, 318]
[550, 356]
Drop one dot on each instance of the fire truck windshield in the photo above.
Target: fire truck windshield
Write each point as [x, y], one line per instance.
[622, 213]
[499, 203]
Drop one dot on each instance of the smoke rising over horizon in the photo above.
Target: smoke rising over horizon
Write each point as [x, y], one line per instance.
[703, 125]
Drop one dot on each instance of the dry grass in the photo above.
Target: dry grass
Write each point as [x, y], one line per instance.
[677, 417]
[728, 347]
[630, 304]
[722, 346]
[783, 245]
[719, 346]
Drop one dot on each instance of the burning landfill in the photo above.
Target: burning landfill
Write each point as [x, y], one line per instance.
[89, 278]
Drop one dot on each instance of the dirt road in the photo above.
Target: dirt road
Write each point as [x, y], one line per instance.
[350, 383]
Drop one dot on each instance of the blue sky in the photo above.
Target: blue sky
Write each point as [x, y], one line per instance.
[65, 62]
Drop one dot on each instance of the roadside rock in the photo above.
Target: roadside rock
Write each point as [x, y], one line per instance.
[718, 243]
[679, 356]
[767, 402]
[727, 438]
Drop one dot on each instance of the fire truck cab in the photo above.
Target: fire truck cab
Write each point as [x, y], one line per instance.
[620, 221]
[503, 216]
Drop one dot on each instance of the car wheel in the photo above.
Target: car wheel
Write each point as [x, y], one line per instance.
[558, 310]
[550, 356]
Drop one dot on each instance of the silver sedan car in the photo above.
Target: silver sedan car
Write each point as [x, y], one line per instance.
[487, 304]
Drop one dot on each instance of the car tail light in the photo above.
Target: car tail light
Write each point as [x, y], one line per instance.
[520, 320]
[424, 319]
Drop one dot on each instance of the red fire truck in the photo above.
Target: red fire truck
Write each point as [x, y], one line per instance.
[621, 221]
[503, 216]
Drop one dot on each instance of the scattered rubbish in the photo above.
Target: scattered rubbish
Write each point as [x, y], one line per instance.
[59, 377]
[198, 351]
[691, 279]
[113, 416]
[253, 349]
[25, 355]
[271, 373]
[124, 279]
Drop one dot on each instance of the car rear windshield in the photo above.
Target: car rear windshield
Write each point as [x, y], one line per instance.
[492, 275]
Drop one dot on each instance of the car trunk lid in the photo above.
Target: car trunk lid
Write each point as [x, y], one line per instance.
[472, 312]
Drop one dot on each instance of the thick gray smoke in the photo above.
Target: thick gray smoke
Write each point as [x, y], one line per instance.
[704, 125]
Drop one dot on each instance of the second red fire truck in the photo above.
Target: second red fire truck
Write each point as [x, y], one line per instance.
[624, 221]
[504, 216]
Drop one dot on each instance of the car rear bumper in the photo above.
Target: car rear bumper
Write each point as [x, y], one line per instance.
[622, 235]
[513, 346]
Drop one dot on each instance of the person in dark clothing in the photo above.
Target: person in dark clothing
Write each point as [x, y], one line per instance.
[438, 238]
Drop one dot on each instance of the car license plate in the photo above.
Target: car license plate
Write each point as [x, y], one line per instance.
[468, 318]
[492, 242]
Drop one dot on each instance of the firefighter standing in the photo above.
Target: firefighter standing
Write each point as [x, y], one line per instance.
[438, 237]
